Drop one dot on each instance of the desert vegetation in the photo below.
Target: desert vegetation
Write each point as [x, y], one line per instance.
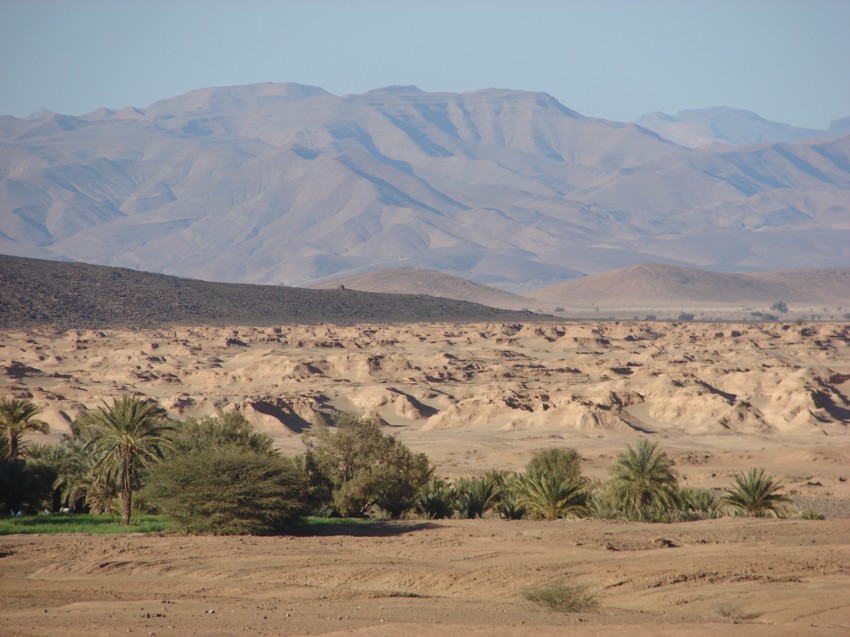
[216, 475]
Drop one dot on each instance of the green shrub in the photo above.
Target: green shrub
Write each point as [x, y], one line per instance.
[511, 505]
[475, 496]
[563, 464]
[550, 496]
[436, 499]
[697, 504]
[562, 597]
[228, 491]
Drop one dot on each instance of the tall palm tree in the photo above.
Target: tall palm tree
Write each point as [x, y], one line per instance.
[642, 479]
[550, 496]
[17, 417]
[754, 493]
[126, 436]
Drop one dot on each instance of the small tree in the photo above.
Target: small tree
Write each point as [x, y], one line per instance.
[552, 486]
[16, 418]
[780, 306]
[756, 494]
[365, 468]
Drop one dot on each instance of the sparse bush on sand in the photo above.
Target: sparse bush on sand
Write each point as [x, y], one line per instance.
[562, 597]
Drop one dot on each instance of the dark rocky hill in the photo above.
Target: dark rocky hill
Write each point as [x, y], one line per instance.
[79, 295]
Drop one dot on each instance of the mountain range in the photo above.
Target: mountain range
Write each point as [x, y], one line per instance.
[289, 184]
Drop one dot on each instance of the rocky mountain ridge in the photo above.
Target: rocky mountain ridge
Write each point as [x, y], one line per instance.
[288, 184]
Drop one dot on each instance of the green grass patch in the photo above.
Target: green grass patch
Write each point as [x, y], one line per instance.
[81, 523]
[562, 597]
[106, 524]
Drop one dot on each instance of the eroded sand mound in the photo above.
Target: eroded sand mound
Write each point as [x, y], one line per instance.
[646, 377]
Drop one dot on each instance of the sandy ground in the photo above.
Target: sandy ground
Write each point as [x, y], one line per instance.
[719, 398]
[458, 577]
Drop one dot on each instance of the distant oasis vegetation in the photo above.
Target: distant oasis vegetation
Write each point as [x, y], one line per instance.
[215, 475]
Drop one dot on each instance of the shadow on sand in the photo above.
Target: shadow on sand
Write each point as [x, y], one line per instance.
[362, 528]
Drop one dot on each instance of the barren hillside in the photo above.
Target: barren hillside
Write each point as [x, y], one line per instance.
[650, 286]
[79, 295]
[420, 281]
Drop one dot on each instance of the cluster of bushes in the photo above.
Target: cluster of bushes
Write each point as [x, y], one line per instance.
[642, 487]
[216, 475]
[213, 475]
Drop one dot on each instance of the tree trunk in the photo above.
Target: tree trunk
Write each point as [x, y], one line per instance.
[126, 489]
[13, 444]
[125, 507]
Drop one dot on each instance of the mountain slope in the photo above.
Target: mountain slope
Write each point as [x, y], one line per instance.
[655, 285]
[720, 124]
[288, 184]
[420, 281]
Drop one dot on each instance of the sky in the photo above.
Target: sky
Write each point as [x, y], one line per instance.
[787, 60]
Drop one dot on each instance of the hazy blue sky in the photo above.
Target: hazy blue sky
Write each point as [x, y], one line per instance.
[786, 60]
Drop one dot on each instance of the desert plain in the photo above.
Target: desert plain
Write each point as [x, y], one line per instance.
[718, 397]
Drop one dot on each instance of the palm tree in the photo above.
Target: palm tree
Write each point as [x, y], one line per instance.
[16, 418]
[436, 499]
[755, 493]
[74, 478]
[550, 496]
[475, 496]
[126, 436]
[642, 480]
